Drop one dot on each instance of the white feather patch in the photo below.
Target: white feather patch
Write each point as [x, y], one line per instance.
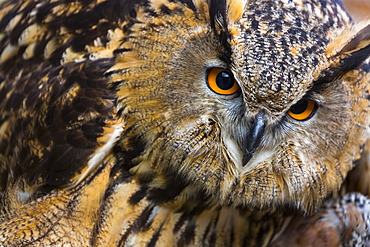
[101, 153]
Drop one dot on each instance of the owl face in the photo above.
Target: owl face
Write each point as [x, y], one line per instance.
[246, 108]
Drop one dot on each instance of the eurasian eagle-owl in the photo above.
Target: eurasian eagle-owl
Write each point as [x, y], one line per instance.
[183, 123]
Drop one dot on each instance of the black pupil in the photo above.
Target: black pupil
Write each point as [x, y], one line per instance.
[300, 107]
[224, 80]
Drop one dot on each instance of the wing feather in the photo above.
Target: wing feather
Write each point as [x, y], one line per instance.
[55, 98]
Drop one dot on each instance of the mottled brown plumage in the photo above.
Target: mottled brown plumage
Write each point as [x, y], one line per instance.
[183, 123]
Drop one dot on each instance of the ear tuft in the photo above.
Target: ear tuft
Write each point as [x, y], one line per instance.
[360, 41]
[351, 47]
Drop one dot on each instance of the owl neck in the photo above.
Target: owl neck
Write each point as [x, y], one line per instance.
[176, 218]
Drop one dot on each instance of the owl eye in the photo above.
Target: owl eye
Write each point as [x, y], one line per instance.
[303, 110]
[221, 81]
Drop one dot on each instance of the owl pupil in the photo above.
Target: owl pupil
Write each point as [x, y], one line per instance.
[300, 107]
[224, 80]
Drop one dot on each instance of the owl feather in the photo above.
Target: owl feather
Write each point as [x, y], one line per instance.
[183, 123]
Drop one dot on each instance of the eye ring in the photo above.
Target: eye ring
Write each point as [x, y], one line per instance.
[303, 110]
[221, 81]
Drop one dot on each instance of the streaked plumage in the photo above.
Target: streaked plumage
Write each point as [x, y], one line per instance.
[111, 133]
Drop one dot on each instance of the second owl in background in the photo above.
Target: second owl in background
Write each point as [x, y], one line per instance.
[183, 123]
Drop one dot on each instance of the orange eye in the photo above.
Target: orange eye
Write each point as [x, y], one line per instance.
[221, 81]
[303, 110]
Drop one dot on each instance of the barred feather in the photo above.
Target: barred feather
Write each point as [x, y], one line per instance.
[110, 136]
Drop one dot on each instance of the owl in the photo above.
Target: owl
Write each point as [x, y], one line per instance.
[183, 123]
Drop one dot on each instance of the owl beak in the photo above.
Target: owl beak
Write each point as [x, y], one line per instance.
[255, 137]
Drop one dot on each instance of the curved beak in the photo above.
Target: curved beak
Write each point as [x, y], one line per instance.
[256, 133]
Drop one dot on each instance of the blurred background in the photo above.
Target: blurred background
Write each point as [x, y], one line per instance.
[359, 9]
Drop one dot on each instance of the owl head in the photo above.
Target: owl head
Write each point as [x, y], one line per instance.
[248, 104]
